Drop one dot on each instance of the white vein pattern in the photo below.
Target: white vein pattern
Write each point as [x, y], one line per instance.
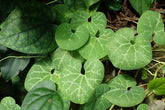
[78, 87]
[119, 95]
[127, 56]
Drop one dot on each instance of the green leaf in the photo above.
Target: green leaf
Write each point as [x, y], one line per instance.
[114, 5]
[44, 96]
[50, 68]
[157, 86]
[8, 103]
[151, 24]
[89, 3]
[96, 46]
[61, 58]
[12, 67]
[144, 74]
[70, 39]
[124, 91]
[63, 13]
[41, 71]
[97, 101]
[142, 107]
[29, 29]
[78, 84]
[127, 51]
[94, 22]
[141, 5]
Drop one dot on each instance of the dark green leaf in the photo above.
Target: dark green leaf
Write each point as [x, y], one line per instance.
[28, 29]
[12, 67]
[141, 5]
[113, 4]
[89, 3]
[157, 86]
[124, 92]
[44, 96]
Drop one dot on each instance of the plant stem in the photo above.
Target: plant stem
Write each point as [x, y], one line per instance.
[51, 2]
[156, 72]
[20, 57]
[158, 61]
[149, 71]
[112, 107]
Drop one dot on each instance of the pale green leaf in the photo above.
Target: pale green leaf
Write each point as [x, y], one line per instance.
[96, 46]
[70, 39]
[124, 91]
[142, 107]
[157, 86]
[79, 86]
[61, 58]
[141, 5]
[29, 29]
[44, 96]
[41, 71]
[8, 103]
[151, 24]
[127, 51]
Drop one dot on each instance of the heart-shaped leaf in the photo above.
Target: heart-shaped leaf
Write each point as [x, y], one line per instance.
[151, 24]
[49, 68]
[96, 46]
[78, 84]
[127, 51]
[70, 39]
[28, 29]
[8, 103]
[12, 66]
[63, 13]
[142, 107]
[141, 5]
[94, 22]
[97, 101]
[61, 57]
[157, 86]
[124, 91]
[41, 71]
[44, 96]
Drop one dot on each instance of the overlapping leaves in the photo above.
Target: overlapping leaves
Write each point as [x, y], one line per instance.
[79, 86]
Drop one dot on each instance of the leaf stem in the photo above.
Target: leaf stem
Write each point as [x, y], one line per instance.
[158, 61]
[112, 107]
[19, 57]
[148, 71]
[156, 72]
[51, 2]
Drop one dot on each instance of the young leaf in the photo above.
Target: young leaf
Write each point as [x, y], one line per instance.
[94, 22]
[97, 101]
[70, 39]
[44, 96]
[151, 24]
[141, 5]
[142, 107]
[12, 67]
[79, 83]
[61, 57]
[124, 91]
[41, 71]
[127, 51]
[8, 103]
[28, 29]
[157, 86]
[96, 46]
